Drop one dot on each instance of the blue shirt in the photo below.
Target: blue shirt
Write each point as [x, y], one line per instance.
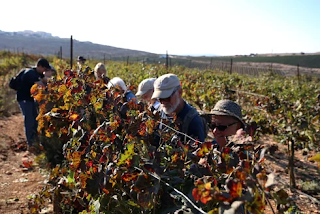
[195, 129]
[28, 79]
[131, 97]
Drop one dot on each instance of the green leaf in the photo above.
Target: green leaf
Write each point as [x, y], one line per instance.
[128, 154]
[132, 203]
[70, 178]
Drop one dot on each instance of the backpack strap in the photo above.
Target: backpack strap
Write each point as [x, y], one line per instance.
[188, 118]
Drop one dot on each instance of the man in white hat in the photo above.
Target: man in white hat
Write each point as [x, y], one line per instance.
[145, 91]
[168, 91]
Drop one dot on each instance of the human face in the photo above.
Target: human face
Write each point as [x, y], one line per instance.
[223, 126]
[81, 62]
[146, 97]
[170, 104]
[101, 73]
[48, 73]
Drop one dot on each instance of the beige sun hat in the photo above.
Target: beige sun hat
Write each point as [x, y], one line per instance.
[145, 86]
[165, 85]
[228, 108]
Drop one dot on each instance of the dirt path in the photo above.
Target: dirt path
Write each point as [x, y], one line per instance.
[17, 182]
[305, 171]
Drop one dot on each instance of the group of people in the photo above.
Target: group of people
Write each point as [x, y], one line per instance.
[162, 94]
[225, 118]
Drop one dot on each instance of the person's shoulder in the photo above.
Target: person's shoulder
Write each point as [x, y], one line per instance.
[196, 119]
[32, 69]
[187, 105]
[26, 73]
[129, 94]
[29, 71]
[190, 109]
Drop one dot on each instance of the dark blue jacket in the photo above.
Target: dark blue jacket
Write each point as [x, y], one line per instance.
[28, 79]
[195, 129]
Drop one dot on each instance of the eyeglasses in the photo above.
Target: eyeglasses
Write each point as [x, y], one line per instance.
[220, 127]
[168, 98]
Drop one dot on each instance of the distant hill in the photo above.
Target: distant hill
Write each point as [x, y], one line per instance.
[304, 60]
[45, 44]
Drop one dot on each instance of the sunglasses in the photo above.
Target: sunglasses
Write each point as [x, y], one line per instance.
[220, 127]
[168, 98]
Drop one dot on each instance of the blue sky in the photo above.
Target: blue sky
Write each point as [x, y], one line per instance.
[226, 27]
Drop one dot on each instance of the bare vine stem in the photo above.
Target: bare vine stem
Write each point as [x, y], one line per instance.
[183, 195]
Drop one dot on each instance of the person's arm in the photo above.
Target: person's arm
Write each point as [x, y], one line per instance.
[42, 81]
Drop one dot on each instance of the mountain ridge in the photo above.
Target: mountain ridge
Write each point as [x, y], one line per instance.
[44, 43]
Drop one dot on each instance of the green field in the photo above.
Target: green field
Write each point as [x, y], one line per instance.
[309, 61]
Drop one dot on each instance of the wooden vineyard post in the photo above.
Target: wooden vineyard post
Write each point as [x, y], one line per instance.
[298, 75]
[71, 52]
[56, 201]
[167, 60]
[231, 66]
[60, 53]
[291, 164]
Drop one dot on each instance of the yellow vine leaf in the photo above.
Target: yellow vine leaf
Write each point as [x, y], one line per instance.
[98, 105]
[62, 89]
[48, 133]
[316, 158]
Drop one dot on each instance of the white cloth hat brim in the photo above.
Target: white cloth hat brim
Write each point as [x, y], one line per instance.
[140, 93]
[162, 94]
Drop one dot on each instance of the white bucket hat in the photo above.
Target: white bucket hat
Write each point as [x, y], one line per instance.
[117, 81]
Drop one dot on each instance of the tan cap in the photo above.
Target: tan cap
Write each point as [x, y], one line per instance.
[145, 86]
[165, 85]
